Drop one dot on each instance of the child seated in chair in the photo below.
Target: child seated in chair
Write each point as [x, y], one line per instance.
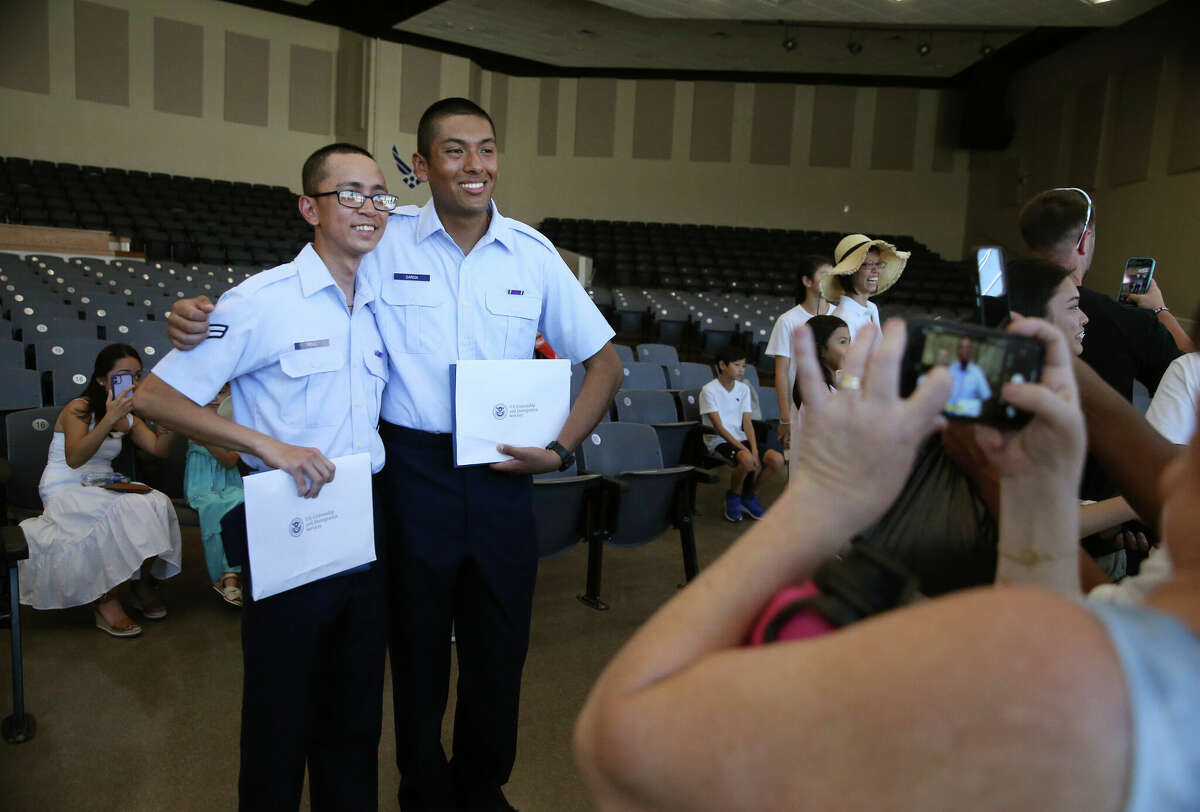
[725, 408]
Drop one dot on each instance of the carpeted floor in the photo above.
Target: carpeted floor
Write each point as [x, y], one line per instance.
[152, 723]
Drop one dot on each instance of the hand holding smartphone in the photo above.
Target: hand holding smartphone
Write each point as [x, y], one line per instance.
[120, 383]
[1138, 273]
[981, 361]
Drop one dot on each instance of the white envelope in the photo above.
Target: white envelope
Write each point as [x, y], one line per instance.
[293, 541]
[521, 403]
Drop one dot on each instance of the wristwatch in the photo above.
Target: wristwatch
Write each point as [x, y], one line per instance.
[567, 457]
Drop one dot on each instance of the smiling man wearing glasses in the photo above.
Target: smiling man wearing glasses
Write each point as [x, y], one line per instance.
[1122, 343]
[300, 345]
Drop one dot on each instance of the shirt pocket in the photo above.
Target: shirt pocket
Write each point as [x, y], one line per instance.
[377, 377]
[320, 398]
[514, 320]
[419, 316]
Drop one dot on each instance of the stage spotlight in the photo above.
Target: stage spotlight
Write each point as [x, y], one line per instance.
[789, 44]
[924, 48]
[854, 46]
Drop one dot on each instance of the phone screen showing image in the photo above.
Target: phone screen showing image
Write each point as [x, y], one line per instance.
[980, 361]
[121, 382]
[1138, 273]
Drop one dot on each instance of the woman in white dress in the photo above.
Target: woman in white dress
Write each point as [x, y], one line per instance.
[89, 539]
[865, 268]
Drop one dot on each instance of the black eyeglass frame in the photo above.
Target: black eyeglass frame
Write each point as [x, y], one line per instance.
[352, 194]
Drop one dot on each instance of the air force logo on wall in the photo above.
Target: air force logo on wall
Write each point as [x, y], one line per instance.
[296, 527]
[499, 411]
[407, 175]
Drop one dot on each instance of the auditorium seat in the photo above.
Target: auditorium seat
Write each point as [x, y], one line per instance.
[688, 375]
[658, 409]
[657, 354]
[653, 497]
[643, 376]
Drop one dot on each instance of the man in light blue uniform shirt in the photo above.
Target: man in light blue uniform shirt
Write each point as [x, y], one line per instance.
[460, 281]
[300, 345]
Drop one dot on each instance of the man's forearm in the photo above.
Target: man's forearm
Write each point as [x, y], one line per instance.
[1132, 453]
[1182, 340]
[600, 383]
[159, 400]
[782, 395]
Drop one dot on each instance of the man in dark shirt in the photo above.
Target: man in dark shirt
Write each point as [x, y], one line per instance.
[1122, 343]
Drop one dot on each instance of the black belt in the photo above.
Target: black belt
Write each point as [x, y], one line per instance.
[414, 437]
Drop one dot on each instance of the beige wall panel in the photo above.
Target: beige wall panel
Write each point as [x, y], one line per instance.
[712, 121]
[895, 130]
[352, 97]
[498, 108]
[1085, 139]
[1133, 125]
[1041, 158]
[653, 119]
[25, 45]
[101, 53]
[310, 89]
[178, 67]
[1184, 154]
[946, 135]
[771, 125]
[832, 126]
[547, 118]
[595, 118]
[247, 78]
[475, 84]
[420, 84]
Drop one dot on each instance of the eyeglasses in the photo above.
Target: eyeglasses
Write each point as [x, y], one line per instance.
[1087, 221]
[356, 200]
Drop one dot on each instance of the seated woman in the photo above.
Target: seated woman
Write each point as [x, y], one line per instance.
[90, 540]
[1018, 696]
[213, 487]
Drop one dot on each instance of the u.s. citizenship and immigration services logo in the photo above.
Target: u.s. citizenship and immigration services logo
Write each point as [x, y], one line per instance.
[296, 527]
[499, 411]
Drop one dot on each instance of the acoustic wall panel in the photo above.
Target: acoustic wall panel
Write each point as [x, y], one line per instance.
[178, 67]
[894, 135]
[1133, 129]
[25, 46]
[595, 117]
[771, 125]
[653, 119]
[547, 116]
[101, 53]
[310, 86]
[247, 78]
[712, 122]
[832, 127]
[420, 83]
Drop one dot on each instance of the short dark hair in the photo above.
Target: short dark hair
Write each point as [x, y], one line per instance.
[445, 108]
[1031, 283]
[314, 168]
[809, 265]
[1053, 217]
[730, 354]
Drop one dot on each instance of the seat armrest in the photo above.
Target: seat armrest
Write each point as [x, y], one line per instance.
[15, 546]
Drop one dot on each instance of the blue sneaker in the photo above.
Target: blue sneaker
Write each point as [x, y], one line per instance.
[751, 507]
[733, 507]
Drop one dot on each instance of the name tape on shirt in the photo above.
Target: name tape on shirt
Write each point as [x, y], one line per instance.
[217, 330]
[308, 345]
[411, 277]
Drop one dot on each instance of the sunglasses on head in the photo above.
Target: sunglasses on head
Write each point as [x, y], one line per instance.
[1087, 220]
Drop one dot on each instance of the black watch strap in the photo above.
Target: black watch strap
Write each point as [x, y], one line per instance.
[566, 456]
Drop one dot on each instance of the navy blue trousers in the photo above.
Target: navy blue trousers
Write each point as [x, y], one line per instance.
[312, 690]
[462, 550]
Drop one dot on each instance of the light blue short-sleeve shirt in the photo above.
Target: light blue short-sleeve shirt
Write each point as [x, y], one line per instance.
[304, 369]
[437, 306]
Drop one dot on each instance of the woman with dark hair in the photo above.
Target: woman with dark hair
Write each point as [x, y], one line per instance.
[831, 337]
[90, 539]
[1041, 289]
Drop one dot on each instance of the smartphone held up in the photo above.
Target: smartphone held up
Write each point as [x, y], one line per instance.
[1139, 271]
[979, 358]
[120, 383]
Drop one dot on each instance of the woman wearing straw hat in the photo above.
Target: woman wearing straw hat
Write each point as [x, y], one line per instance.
[865, 268]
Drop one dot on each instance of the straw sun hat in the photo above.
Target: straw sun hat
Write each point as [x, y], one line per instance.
[851, 253]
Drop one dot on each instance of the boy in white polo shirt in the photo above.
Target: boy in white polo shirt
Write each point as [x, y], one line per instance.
[725, 407]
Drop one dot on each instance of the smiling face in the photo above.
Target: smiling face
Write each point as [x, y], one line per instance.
[1063, 311]
[461, 167]
[340, 231]
[866, 278]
